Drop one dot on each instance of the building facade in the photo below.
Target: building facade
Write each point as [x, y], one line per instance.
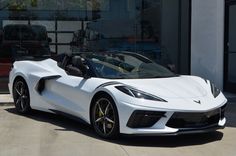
[213, 42]
[188, 37]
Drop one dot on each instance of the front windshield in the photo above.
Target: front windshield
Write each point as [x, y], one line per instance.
[126, 65]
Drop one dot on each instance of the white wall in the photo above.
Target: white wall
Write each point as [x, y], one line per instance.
[207, 47]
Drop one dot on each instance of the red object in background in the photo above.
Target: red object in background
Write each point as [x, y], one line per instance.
[5, 67]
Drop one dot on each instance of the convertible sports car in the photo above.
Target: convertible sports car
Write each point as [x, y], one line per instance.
[118, 93]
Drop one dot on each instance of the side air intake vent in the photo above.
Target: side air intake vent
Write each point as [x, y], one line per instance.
[141, 119]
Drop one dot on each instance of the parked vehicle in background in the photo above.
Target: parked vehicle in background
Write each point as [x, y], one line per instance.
[21, 41]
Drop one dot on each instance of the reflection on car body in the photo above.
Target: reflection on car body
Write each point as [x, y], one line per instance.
[21, 41]
[91, 40]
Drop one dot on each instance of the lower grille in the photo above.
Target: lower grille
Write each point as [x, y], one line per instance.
[196, 120]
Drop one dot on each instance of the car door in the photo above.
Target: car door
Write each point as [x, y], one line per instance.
[69, 95]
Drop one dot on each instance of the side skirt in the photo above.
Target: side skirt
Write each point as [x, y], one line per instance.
[70, 116]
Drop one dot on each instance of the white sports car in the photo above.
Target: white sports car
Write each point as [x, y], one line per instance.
[118, 93]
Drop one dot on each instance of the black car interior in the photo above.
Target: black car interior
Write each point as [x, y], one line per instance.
[73, 65]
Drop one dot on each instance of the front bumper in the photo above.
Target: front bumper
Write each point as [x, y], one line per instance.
[183, 132]
[162, 126]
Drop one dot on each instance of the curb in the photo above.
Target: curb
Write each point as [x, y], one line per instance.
[6, 100]
[6, 104]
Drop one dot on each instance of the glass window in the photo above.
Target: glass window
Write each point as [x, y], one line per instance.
[157, 29]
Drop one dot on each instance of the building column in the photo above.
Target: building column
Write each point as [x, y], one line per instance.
[207, 40]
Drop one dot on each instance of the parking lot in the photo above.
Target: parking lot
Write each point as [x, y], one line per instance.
[46, 134]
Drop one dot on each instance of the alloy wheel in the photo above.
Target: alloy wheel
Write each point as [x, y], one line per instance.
[104, 117]
[21, 96]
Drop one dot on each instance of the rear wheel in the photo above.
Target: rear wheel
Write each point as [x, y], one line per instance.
[21, 96]
[105, 117]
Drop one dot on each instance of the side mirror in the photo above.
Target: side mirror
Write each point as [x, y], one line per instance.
[49, 40]
[86, 75]
[171, 67]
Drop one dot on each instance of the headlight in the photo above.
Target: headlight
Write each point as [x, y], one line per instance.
[215, 91]
[138, 94]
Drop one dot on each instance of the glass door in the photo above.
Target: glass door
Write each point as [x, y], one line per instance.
[230, 47]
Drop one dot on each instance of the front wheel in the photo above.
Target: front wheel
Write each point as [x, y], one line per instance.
[105, 117]
[21, 96]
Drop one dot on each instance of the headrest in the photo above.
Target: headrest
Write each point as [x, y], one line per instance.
[77, 61]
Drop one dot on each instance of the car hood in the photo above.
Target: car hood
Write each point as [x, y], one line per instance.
[174, 87]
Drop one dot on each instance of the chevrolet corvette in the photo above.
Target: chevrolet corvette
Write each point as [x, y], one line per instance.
[118, 93]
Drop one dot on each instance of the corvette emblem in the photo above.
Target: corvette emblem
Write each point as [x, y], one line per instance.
[199, 102]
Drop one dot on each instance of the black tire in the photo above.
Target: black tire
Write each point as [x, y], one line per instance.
[21, 96]
[104, 117]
